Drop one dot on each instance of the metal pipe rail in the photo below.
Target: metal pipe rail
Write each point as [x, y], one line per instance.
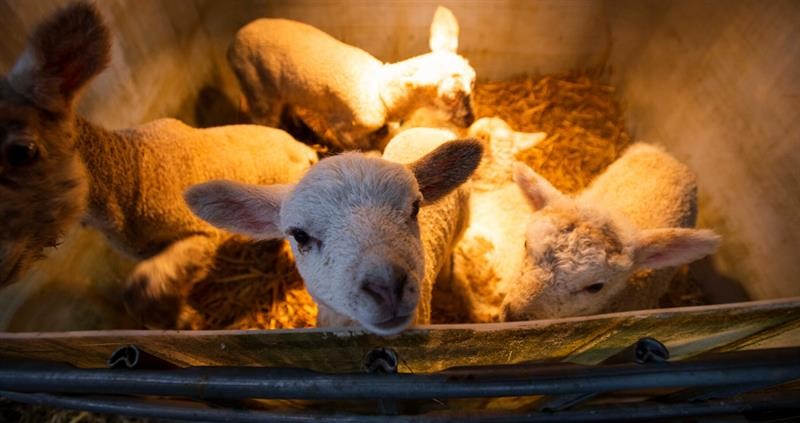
[763, 367]
[785, 402]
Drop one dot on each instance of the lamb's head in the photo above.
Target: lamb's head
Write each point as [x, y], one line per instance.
[579, 256]
[42, 180]
[352, 224]
[442, 79]
[501, 145]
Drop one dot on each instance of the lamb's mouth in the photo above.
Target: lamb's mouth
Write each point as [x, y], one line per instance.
[393, 325]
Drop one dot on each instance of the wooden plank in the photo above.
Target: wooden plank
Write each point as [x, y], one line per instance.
[686, 331]
[692, 330]
[781, 336]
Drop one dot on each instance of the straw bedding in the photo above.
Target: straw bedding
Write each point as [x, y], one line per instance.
[578, 112]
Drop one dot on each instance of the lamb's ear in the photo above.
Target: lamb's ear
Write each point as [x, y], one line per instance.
[63, 54]
[536, 189]
[656, 248]
[446, 168]
[444, 31]
[526, 140]
[252, 210]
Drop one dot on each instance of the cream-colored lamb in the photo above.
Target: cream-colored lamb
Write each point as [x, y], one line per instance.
[370, 235]
[582, 252]
[501, 145]
[489, 256]
[344, 94]
[58, 168]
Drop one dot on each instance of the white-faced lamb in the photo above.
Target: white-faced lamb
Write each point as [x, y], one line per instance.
[344, 94]
[57, 168]
[370, 235]
[583, 253]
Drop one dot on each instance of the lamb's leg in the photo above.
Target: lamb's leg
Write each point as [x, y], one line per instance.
[263, 100]
[156, 289]
[327, 318]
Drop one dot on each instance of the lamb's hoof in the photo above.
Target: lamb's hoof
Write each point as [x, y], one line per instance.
[155, 305]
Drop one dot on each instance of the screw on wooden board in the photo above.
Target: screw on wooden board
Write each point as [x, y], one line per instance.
[381, 360]
[131, 357]
[649, 350]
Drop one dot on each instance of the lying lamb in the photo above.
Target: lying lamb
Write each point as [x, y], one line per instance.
[57, 167]
[346, 96]
[582, 252]
[489, 256]
[365, 254]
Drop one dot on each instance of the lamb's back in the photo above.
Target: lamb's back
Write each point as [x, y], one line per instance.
[649, 186]
[167, 156]
[312, 70]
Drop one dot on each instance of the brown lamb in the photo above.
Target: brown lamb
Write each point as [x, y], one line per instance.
[57, 168]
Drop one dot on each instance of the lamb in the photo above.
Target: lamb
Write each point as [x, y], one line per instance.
[501, 146]
[489, 256]
[370, 235]
[58, 168]
[343, 94]
[582, 252]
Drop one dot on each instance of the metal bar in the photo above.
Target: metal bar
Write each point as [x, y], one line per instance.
[644, 351]
[719, 392]
[383, 361]
[754, 367]
[131, 357]
[786, 402]
[714, 392]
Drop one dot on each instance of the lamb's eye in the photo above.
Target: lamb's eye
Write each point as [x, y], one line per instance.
[594, 288]
[21, 154]
[300, 236]
[414, 209]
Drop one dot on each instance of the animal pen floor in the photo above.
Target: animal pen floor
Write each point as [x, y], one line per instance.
[255, 286]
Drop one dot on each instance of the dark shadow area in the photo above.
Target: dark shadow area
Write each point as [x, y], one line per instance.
[214, 108]
[718, 288]
[298, 129]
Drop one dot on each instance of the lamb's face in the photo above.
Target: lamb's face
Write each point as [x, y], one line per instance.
[455, 80]
[497, 139]
[577, 261]
[43, 186]
[448, 72]
[501, 144]
[443, 81]
[42, 183]
[352, 224]
[579, 255]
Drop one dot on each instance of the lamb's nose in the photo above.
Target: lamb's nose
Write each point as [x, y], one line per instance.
[388, 290]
